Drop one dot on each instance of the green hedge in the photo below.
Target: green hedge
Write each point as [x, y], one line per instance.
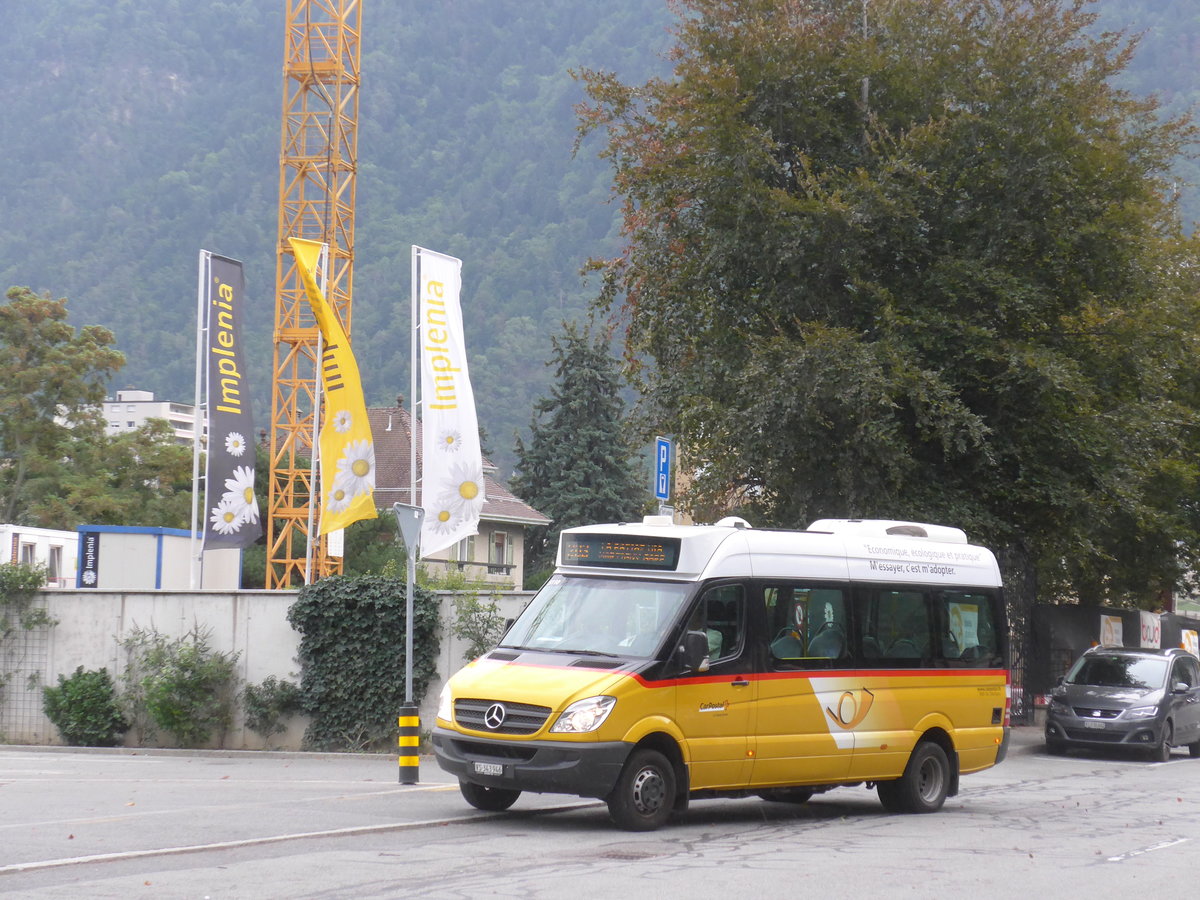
[84, 709]
[352, 658]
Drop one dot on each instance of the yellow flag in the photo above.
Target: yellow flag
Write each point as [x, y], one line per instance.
[347, 448]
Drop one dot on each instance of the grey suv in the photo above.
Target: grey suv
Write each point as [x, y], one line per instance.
[1125, 697]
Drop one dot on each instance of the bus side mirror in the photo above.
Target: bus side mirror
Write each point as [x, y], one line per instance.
[693, 653]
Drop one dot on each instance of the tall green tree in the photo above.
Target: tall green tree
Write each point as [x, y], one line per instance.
[923, 263]
[52, 382]
[58, 466]
[141, 477]
[578, 467]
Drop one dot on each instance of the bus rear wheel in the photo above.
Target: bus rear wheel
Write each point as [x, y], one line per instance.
[644, 795]
[923, 786]
[489, 799]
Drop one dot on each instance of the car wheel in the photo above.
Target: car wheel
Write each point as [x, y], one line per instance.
[1162, 752]
[644, 794]
[786, 795]
[489, 799]
[1194, 749]
[923, 786]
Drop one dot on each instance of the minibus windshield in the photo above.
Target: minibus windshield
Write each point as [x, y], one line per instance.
[598, 616]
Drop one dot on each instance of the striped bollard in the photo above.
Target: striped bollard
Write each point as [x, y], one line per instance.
[410, 742]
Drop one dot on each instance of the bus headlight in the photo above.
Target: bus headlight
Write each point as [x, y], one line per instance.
[584, 715]
[444, 712]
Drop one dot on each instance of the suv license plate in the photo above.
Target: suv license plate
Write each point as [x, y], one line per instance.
[1087, 723]
[489, 769]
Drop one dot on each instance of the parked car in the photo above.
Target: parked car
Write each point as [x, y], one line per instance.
[1127, 697]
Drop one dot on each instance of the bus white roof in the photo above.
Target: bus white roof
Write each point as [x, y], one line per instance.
[864, 550]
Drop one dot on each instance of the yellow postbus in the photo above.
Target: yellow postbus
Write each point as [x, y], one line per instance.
[662, 663]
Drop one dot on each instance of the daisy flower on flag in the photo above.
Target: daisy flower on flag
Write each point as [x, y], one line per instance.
[443, 520]
[240, 489]
[341, 421]
[462, 491]
[449, 440]
[356, 468]
[338, 498]
[235, 444]
[226, 517]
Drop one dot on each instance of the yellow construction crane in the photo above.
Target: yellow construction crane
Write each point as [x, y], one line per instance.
[318, 164]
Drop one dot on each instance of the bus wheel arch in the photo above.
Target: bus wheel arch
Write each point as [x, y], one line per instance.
[652, 785]
[942, 738]
[930, 776]
[668, 746]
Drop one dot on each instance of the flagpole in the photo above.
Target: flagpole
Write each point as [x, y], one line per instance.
[198, 424]
[409, 525]
[314, 471]
[414, 349]
[412, 548]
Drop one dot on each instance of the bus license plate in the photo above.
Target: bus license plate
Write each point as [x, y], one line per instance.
[489, 769]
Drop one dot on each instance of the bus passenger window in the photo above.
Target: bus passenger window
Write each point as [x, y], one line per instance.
[970, 632]
[894, 626]
[808, 626]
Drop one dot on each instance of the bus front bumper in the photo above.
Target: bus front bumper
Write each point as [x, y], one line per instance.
[543, 767]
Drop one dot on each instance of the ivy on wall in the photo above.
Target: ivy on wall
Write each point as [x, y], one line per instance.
[352, 658]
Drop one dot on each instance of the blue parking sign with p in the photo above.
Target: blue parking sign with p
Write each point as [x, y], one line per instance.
[662, 469]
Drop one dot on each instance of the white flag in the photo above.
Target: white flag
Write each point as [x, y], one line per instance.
[452, 464]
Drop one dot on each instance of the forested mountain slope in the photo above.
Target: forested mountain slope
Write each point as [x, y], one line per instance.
[137, 134]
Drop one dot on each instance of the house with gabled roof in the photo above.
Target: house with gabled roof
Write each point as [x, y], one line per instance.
[494, 556]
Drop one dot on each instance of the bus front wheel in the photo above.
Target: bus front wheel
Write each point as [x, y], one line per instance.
[644, 795]
[923, 786]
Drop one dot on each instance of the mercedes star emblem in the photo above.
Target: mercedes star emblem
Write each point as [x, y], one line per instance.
[494, 717]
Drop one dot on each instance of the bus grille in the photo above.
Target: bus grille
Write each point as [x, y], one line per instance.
[518, 718]
[494, 750]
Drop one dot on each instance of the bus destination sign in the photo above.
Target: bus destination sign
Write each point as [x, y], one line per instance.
[620, 551]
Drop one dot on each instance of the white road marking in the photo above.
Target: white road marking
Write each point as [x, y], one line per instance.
[144, 813]
[1162, 845]
[251, 842]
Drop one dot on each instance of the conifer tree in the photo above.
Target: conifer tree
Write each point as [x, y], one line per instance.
[578, 466]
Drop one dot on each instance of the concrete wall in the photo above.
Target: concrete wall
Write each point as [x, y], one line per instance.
[93, 623]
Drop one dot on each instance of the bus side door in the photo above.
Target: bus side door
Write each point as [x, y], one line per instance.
[716, 708]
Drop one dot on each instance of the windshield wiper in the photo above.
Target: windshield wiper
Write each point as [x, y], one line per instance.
[588, 653]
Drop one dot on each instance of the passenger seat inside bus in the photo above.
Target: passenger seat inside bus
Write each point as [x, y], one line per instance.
[830, 644]
[905, 648]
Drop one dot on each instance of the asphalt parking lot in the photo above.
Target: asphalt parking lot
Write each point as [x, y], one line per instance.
[122, 823]
[64, 805]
